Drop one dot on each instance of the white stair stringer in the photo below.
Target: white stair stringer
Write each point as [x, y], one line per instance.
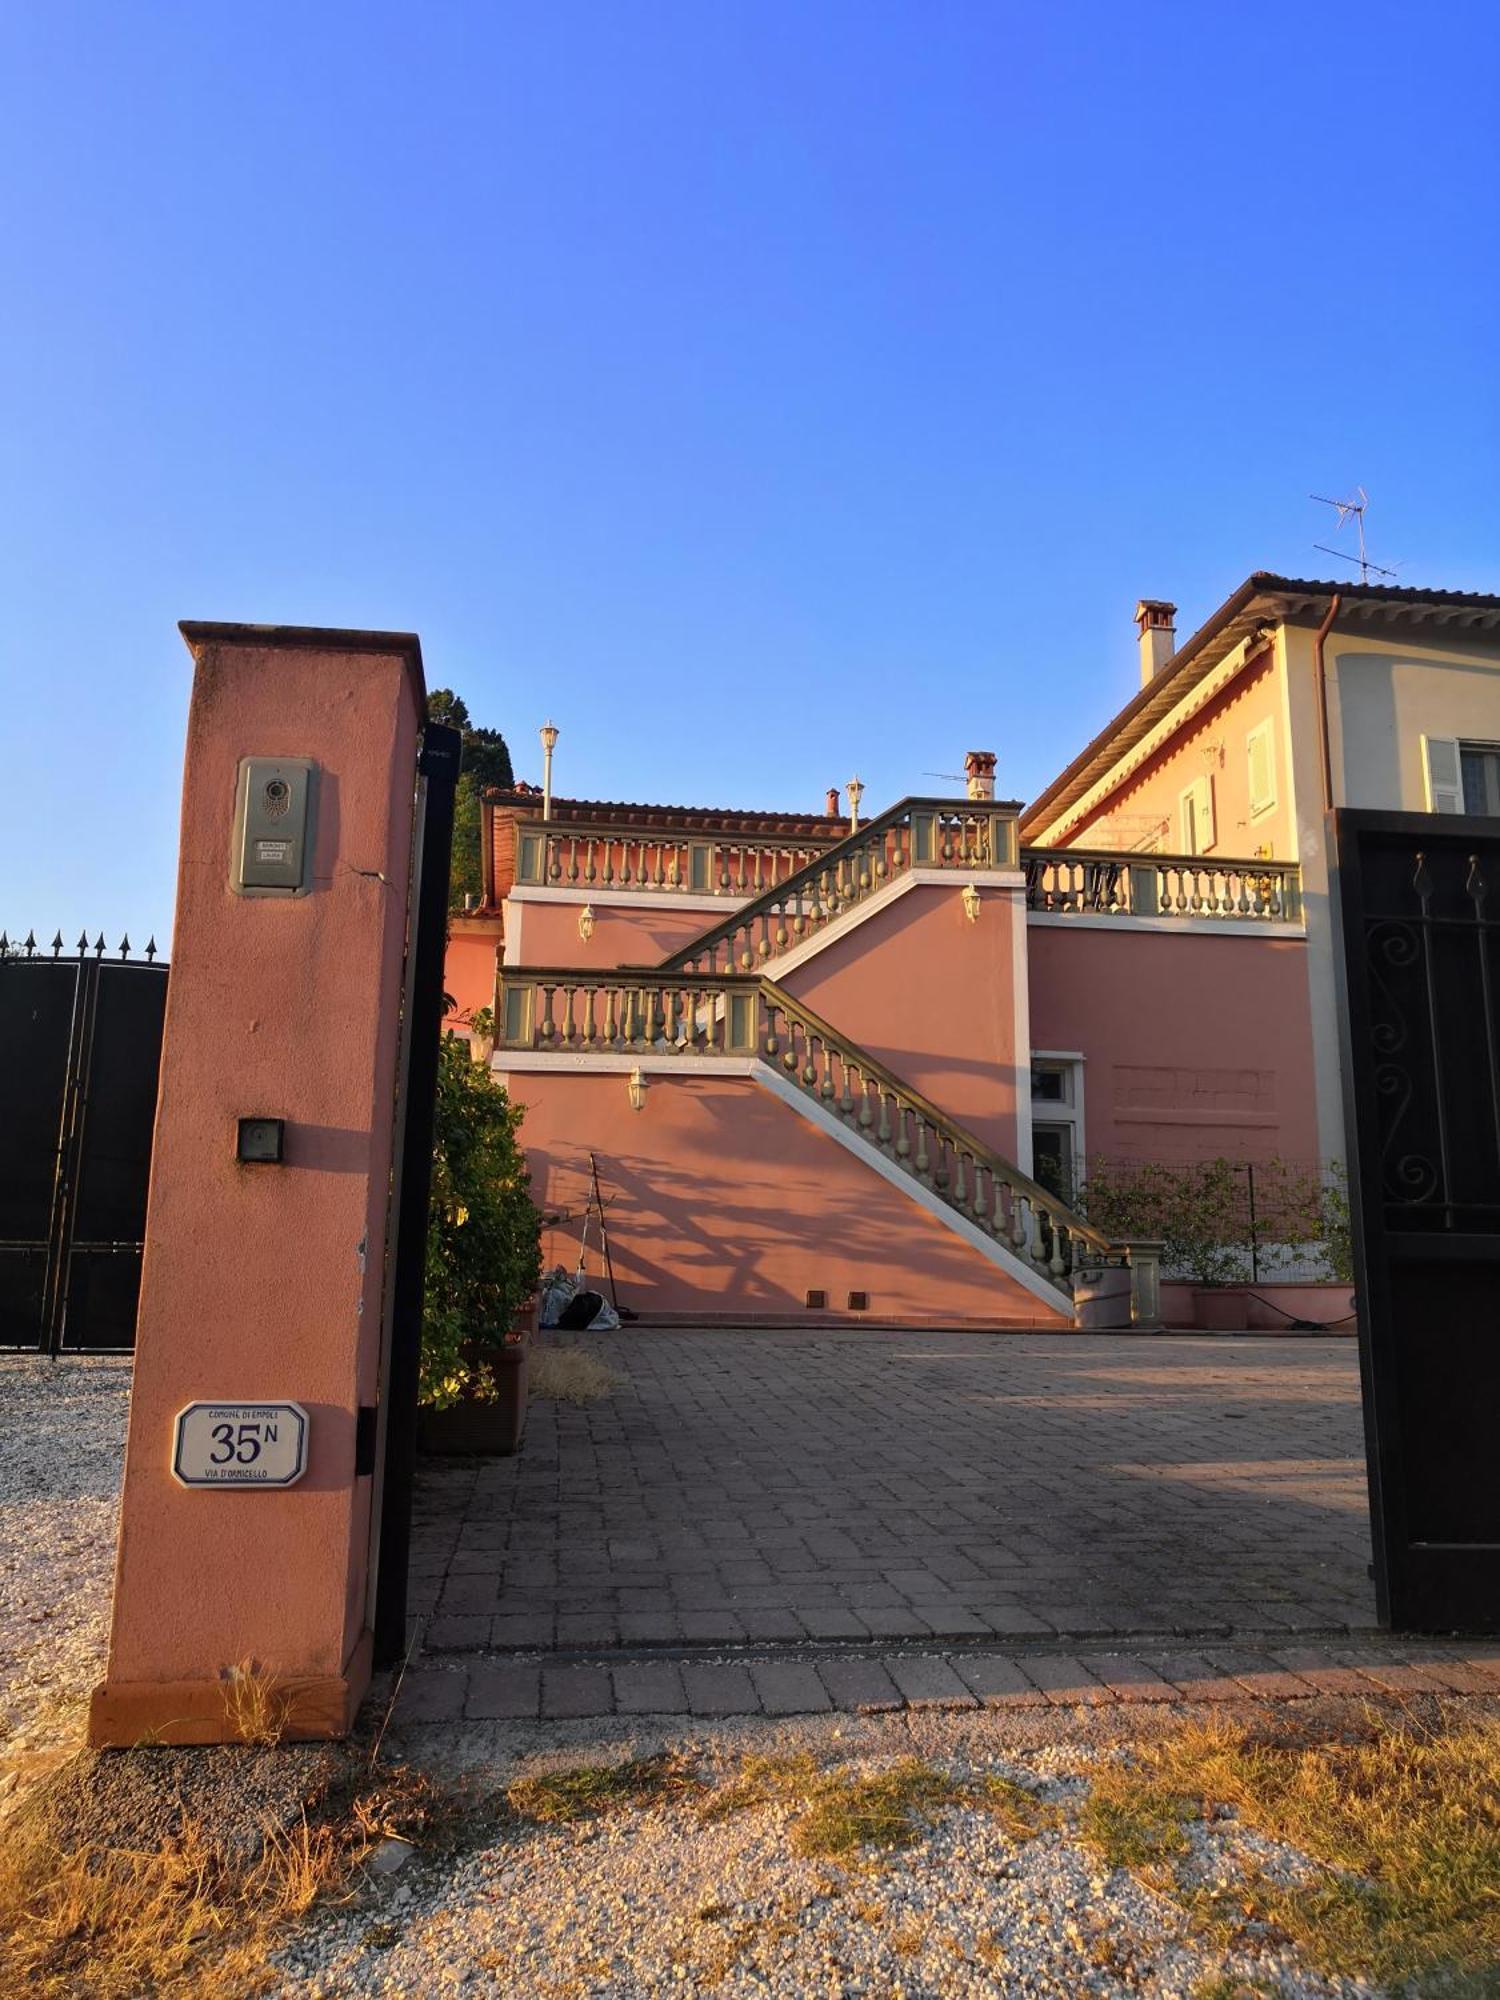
[769, 1078]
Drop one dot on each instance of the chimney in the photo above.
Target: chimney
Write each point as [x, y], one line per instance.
[1156, 620]
[979, 769]
[833, 809]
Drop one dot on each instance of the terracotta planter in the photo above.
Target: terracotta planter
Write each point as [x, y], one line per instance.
[1220, 1308]
[483, 1426]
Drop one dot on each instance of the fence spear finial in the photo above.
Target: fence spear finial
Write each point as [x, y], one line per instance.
[125, 945]
[99, 945]
[31, 944]
[57, 944]
[150, 948]
[83, 943]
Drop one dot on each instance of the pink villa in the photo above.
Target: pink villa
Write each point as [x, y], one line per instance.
[834, 1068]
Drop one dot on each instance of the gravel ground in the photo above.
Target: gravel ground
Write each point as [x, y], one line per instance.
[643, 1901]
[63, 1426]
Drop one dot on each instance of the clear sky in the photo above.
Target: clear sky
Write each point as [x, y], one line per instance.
[767, 389]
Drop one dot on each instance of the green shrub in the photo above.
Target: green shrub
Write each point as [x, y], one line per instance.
[483, 1230]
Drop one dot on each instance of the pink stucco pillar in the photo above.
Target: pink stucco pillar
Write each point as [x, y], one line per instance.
[263, 1282]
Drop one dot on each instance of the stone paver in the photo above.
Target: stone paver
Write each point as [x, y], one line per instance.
[651, 1687]
[862, 1687]
[930, 1683]
[788, 1687]
[783, 1485]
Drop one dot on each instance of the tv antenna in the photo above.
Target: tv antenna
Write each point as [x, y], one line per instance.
[1344, 509]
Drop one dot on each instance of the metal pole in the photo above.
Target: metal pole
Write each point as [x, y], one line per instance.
[438, 763]
[1254, 1243]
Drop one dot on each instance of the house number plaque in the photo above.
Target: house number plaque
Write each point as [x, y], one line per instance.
[239, 1444]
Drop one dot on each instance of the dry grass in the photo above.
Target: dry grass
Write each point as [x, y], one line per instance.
[838, 1812]
[1400, 1819]
[569, 1375]
[257, 1704]
[191, 1917]
[553, 1797]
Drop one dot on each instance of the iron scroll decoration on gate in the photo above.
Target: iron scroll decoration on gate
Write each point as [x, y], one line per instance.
[1417, 912]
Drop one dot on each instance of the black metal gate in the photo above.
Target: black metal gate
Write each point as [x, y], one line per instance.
[80, 1048]
[1419, 964]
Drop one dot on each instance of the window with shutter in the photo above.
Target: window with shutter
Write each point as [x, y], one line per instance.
[1444, 774]
[1479, 767]
[1261, 752]
[1195, 817]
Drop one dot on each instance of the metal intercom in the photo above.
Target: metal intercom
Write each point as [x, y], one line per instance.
[273, 814]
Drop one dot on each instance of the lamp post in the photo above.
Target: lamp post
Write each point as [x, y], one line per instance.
[856, 792]
[548, 734]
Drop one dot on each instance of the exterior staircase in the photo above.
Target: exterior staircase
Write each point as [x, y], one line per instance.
[706, 1017]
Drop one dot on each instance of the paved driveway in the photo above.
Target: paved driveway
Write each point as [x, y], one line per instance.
[780, 1486]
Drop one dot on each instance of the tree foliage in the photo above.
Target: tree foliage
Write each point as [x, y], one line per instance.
[483, 1230]
[485, 766]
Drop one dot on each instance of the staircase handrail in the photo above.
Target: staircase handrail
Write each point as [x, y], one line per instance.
[807, 879]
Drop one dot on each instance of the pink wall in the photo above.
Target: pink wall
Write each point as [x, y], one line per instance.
[546, 934]
[469, 965]
[1196, 1045]
[932, 996]
[265, 1282]
[725, 1201]
[1151, 795]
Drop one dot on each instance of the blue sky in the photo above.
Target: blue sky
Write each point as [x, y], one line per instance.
[767, 391]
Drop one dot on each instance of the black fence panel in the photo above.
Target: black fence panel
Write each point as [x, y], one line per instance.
[82, 1042]
[1419, 961]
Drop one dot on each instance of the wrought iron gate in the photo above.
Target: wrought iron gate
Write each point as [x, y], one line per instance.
[81, 1043]
[1419, 964]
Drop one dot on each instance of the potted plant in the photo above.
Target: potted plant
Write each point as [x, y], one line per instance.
[1196, 1212]
[482, 1034]
[483, 1262]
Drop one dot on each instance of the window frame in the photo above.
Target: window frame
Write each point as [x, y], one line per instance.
[1263, 732]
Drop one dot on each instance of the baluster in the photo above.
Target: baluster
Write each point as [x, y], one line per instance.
[782, 936]
[1057, 1264]
[773, 1039]
[903, 1140]
[846, 1099]
[658, 876]
[609, 862]
[1195, 900]
[746, 935]
[941, 1174]
[866, 1115]
[549, 1027]
[960, 1185]
[809, 1073]
[1275, 905]
[568, 1029]
[883, 1132]
[554, 858]
[589, 1036]
[611, 1023]
[1018, 1221]
[673, 1002]
[946, 850]
[924, 1164]
[1242, 901]
[764, 946]
[590, 873]
[981, 1207]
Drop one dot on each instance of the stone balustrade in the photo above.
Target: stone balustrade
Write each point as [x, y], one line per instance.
[588, 857]
[1077, 882]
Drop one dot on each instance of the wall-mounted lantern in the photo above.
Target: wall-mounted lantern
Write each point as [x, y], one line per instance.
[635, 1090]
[971, 902]
[586, 922]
